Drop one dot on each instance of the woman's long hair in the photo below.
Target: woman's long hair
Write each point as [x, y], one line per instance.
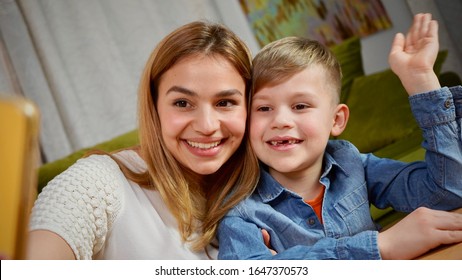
[197, 202]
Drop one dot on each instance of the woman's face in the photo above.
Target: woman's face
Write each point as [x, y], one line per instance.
[202, 111]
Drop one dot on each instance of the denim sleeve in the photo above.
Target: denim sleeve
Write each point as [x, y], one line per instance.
[436, 182]
[241, 240]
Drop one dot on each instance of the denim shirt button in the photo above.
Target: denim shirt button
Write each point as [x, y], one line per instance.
[311, 221]
[447, 103]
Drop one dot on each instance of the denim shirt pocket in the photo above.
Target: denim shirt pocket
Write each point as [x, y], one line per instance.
[354, 211]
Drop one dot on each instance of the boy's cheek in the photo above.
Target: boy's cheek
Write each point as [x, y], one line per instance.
[257, 125]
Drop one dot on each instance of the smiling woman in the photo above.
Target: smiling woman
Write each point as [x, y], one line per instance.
[164, 198]
[204, 121]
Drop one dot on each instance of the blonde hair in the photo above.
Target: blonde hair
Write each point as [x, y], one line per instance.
[197, 202]
[283, 58]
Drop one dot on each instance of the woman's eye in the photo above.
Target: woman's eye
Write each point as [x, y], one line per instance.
[226, 103]
[181, 103]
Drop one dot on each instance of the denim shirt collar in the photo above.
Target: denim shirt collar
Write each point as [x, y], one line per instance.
[269, 189]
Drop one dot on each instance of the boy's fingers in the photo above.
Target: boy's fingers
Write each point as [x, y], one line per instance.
[433, 29]
[398, 43]
[424, 26]
[414, 30]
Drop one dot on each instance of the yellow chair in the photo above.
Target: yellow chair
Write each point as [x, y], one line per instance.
[19, 126]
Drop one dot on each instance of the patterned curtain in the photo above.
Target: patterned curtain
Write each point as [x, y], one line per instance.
[80, 61]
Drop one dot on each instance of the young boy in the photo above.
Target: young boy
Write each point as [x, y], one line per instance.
[314, 194]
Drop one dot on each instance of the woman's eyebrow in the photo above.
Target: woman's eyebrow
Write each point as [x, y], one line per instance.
[223, 93]
[181, 90]
[229, 92]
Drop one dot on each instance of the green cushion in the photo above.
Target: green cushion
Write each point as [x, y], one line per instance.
[442, 55]
[407, 149]
[386, 217]
[348, 53]
[49, 170]
[380, 113]
[450, 79]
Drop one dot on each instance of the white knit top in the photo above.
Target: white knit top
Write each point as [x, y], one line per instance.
[103, 215]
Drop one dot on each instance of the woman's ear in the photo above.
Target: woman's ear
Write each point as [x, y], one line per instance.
[340, 119]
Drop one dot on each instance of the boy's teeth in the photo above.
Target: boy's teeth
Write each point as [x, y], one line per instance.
[203, 145]
[284, 142]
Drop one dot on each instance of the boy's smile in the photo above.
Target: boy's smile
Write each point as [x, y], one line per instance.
[283, 143]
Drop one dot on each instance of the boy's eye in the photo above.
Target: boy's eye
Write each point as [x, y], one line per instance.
[263, 109]
[300, 106]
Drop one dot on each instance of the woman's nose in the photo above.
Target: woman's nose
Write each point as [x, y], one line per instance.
[207, 121]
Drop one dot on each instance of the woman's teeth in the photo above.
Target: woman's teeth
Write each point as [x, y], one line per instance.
[203, 145]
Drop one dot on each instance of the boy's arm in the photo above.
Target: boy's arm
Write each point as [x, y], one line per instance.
[436, 182]
[417, 233]
[240, 239]
[412, 56]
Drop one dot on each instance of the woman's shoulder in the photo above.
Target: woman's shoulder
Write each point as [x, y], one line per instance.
[86, 197]
[131, 159]
[101, 167]
[95, 163]
[98, 177]
[87, 170]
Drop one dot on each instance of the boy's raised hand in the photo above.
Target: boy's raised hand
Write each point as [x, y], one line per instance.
[412, 56]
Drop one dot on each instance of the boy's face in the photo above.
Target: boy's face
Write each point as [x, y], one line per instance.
[290, 123]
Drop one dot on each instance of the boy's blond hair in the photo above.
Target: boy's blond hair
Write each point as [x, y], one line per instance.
[281, 59]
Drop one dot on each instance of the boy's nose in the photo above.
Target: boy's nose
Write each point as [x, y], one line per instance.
[282, 119]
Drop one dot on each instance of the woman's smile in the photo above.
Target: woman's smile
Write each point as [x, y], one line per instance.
[205, 148]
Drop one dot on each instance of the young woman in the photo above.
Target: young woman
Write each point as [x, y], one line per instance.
[163, 199]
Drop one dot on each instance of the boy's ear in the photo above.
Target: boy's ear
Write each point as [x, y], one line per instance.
[342, 113]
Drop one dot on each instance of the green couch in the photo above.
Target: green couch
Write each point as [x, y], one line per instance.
[380, 120]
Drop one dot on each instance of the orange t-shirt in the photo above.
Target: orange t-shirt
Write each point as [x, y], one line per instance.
[316, 203]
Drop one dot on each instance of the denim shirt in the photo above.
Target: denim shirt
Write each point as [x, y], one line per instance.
[352, 182]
